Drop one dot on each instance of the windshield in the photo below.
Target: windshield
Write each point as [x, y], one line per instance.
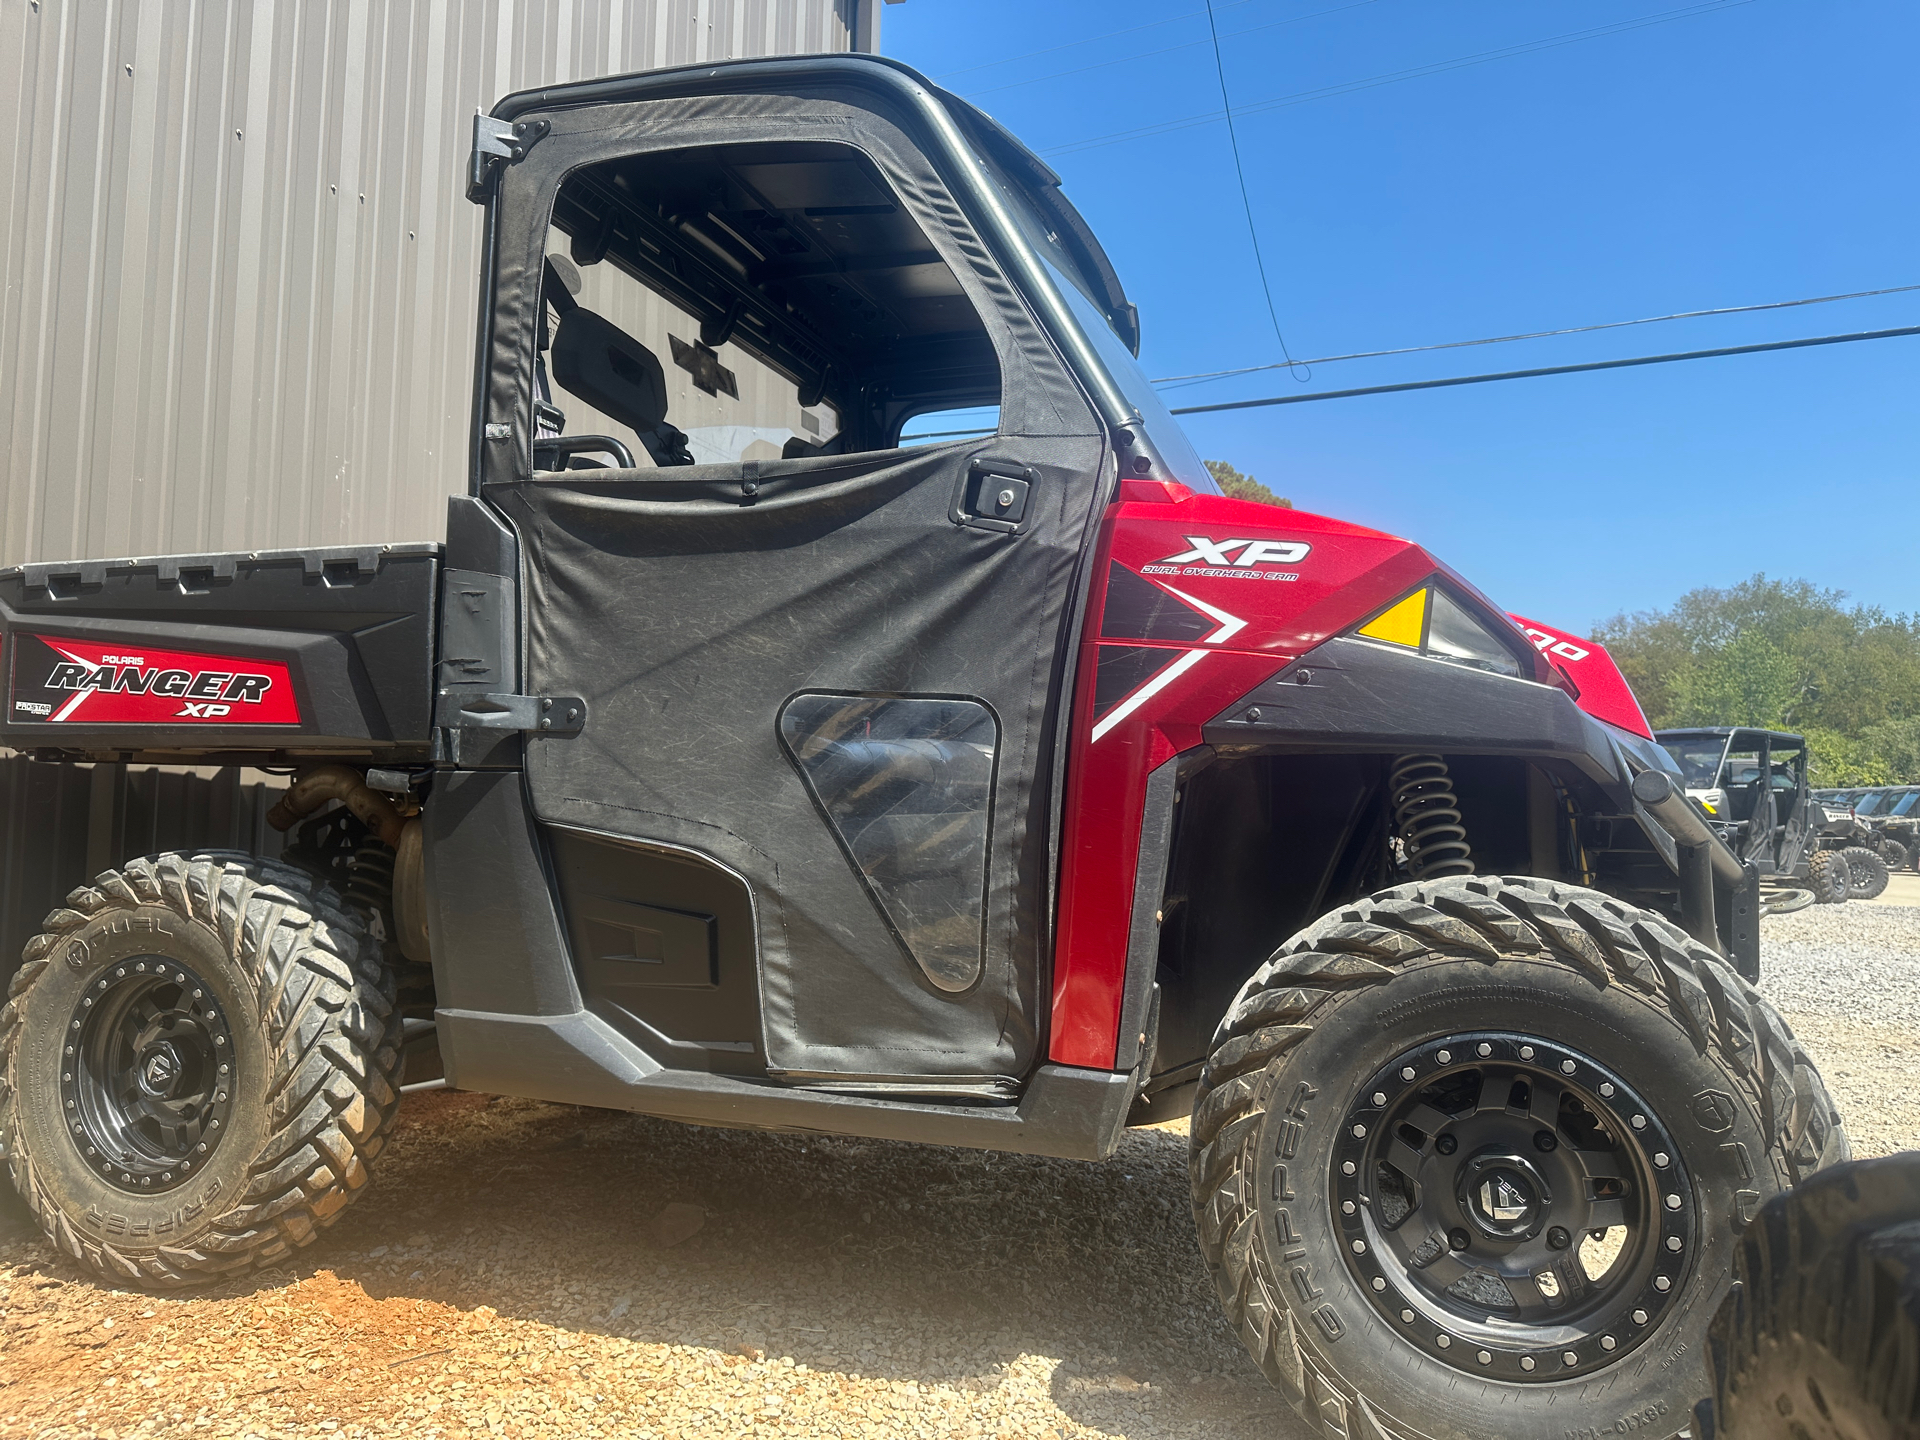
[1171, 441]
[1868, 804]
[1699, 760]
[1083, 298]
[1905, 803]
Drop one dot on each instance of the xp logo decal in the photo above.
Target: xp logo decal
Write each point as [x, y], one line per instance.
[61, 681]
[1233, 559]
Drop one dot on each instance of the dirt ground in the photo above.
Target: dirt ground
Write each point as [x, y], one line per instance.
[525, 1269]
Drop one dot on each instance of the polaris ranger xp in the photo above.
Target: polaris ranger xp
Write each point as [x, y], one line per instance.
[731, 761]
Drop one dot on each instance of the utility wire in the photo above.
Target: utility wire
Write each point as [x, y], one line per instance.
[1549, 370]
[1166, 49]
[1327, 92]
[1246, 201]
[1203, 375]
[1075, 44]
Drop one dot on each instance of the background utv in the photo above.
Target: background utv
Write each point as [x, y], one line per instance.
[997, 793]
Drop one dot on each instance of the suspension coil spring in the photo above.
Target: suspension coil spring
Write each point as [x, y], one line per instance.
[1426, 817]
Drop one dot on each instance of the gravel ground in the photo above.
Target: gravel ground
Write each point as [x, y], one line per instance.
[1847, 979]
[529, 1269]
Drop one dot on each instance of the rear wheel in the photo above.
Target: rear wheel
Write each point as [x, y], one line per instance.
[1866, 872]
[1828, 876]
[1469, 1158]
[199, 1057]
[1895, 854]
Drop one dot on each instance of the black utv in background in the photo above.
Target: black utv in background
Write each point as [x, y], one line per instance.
[1889, 815]
[1753, 786]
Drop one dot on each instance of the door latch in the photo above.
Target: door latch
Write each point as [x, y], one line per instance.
[994, 495]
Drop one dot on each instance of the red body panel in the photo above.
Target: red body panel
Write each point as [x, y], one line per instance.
[1278, 583]
[1599, 687]
[1287, 606]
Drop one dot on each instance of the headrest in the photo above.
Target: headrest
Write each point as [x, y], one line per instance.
[598, 361]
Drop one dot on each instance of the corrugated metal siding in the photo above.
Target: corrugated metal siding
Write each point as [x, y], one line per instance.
[239, 273]
[60, 825]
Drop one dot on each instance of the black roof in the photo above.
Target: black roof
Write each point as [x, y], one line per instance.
[1722, 731]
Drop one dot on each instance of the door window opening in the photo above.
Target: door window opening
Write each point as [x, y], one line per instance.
[748, 302]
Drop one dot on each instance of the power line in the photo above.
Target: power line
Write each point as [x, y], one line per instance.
[1239, 171]
[1549, 370]
[1199, 376]
[1166, 49]
[1089, 40]
[1394, 77]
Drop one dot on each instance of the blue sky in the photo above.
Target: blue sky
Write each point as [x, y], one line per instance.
[1732, 153]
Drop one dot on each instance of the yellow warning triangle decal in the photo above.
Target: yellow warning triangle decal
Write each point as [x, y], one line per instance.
[1402, 624]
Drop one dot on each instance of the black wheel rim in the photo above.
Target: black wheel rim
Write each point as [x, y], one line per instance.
[1470, 1177]
[146, 1077]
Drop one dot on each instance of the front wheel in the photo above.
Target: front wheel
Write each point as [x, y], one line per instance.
[1469, 1158]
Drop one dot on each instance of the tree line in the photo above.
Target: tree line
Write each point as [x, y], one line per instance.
[1783, 655]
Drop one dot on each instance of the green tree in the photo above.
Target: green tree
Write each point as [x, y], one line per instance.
[1783, 655]
[1748, 681]
[1243, 487]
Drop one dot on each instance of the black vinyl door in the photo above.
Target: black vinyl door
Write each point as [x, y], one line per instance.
[842, 690]
[825, 669]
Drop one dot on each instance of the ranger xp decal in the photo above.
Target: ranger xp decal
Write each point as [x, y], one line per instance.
[58, 680]
[1233, 559]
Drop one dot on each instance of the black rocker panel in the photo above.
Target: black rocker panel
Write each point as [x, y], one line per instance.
[663, 944]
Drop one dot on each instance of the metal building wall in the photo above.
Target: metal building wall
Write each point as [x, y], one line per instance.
[60, 825]
[237, 274]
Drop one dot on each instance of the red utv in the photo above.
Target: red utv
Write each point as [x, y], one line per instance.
[734, 760]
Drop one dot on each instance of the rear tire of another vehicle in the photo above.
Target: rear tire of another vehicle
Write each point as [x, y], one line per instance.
[1829, 877]
[1866, 872]
[197, 1065]
[1895, 854]
[1508, 998]
[1820, 1337]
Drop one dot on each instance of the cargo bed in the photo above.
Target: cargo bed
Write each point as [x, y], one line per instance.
[238, 658]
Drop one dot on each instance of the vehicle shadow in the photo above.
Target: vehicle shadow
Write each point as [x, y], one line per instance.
[865, 1257]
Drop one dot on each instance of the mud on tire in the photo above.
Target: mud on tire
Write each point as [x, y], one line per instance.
[1511, 1002]
[198, 1063]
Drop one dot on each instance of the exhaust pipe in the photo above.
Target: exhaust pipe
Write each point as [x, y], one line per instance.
[338, 782]
[382, 816]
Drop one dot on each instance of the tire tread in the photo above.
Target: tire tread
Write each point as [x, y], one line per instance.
[1604, 941]
[332, 1031]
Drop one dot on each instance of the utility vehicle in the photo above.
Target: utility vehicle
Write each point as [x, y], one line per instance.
[1753, 786]
[1891, 815]
[730, 761]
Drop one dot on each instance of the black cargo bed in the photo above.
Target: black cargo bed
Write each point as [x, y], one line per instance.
[292, 653]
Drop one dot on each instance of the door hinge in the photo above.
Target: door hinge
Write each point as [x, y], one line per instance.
[496, 143]
[542, 714]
